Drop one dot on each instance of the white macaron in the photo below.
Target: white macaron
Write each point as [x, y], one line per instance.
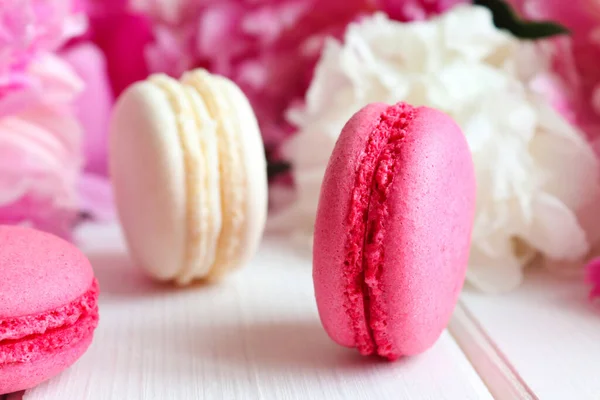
[189, 175]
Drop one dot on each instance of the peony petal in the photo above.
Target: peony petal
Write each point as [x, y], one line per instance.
[123, 38]
[94, 104]
[96, 197]
[40, 150]
[576, 179]
[60, 82]
[555, 230]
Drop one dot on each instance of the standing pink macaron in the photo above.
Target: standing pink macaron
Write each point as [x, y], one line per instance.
[48, 307]
[393, 229]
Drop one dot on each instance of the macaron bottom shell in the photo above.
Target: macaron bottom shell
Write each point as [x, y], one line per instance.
[34, 348]
[21, 376]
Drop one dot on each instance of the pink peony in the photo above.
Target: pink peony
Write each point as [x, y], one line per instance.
[93, 109]
[109, 57]
[411, 10]
[40, 154]
[40, 138]
[123, 36]
[93, 106]
[269, 48]
[576, 60]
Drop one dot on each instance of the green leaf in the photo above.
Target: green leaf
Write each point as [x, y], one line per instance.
[277, 168]
[506, 18]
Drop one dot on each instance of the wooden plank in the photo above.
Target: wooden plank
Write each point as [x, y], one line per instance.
[543, 339]
[255, 336]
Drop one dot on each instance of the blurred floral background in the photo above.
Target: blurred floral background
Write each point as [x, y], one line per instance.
[520, 77]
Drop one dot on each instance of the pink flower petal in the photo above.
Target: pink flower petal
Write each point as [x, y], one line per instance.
[35, 26]
[268, 47]
[40, 152]
[96, 197]
[94, 104]
[123, 38]
[593, 277]
[575, 58]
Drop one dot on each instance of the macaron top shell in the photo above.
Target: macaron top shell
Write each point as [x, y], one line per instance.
[39, 272]
[391, 288]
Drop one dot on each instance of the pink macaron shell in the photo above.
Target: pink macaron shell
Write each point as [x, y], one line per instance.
[20, 376]
[39, 272]
[431, 207]
[331, 226]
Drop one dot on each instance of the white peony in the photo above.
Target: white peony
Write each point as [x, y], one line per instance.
[534, 170]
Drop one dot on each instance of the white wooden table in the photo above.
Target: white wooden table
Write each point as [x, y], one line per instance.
[257, 336]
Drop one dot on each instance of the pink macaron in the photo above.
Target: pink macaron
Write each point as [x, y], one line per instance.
[393, 229]
[48, 307]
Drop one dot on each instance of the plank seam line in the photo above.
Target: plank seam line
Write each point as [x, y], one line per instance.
[486, 357]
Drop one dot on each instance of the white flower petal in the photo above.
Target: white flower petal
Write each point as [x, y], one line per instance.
[555, 230]
[575, 179]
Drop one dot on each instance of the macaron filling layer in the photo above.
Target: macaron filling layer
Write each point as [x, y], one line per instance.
[198, 218]
[233, 181]
[210, 207]
[377, 167]
[233, 166]
[24, 338]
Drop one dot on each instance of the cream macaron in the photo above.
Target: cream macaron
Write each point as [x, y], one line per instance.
[189, 175]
